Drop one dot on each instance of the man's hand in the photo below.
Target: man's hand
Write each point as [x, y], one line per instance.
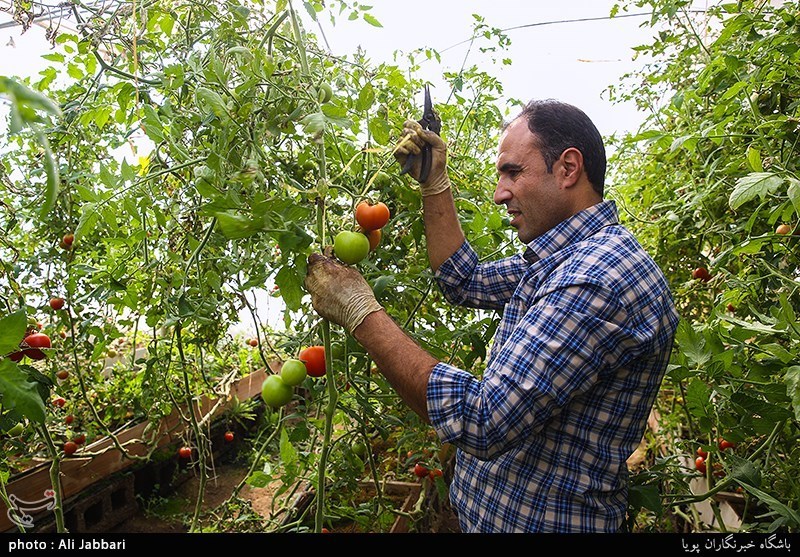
[339, 293]
[412, 141]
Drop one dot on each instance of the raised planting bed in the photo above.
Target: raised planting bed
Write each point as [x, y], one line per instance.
[102, 473]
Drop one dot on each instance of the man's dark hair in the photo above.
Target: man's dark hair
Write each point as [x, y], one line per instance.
[559, 126]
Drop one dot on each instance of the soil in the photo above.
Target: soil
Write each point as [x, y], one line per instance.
[181, 503]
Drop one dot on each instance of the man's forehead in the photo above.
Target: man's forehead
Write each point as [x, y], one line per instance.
[515, 138]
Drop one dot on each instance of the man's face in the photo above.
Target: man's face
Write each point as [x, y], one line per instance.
[534, 200]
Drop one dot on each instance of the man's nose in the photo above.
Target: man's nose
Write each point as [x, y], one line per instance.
[501, 193]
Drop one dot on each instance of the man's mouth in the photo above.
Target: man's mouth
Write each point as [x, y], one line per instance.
[513, 215]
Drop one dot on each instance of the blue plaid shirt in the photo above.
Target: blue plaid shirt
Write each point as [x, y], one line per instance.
[575, 366]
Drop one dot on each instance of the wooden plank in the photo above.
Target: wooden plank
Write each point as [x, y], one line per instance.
[78, 473]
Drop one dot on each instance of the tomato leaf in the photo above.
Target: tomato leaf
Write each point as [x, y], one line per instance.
[792, 380]
[755, 184]
[692, 344]
[16, 391]
[235, 226]
[288, 282]
[698, 396]
[645, 496]
[12, 329]
[773, 503]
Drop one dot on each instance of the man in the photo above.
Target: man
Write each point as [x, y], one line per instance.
[588, 324]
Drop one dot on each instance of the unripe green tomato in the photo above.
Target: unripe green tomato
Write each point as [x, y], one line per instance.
[293, 372]
[350, 247]
[275, 391]
[16, 430]
[324, 93]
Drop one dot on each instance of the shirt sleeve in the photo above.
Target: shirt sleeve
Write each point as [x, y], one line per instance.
[465, 282]
[560, 348]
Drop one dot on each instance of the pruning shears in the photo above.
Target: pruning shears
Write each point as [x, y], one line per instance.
[429, 121]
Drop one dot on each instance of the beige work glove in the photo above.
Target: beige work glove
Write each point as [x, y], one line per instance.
[413, 139]
[338, 292]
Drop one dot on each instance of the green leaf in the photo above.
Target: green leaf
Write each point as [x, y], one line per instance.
[381, 283]
[289, 283]
[259, 479]
[53, 179]
[793, 192]
[645, 496]
[757, 407]
[380, 131]
[774, 504]
[754, 159]
[12, 330]
[17, 392]
[287, 450]
[235, 226]
[755, 184]
[792, 380]
[365, 97]
[313, 123]
[372, 21]
[743, 470]
[692, 344]
[698, 396]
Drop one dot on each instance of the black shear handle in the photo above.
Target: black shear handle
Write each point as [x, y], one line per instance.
[427, 159]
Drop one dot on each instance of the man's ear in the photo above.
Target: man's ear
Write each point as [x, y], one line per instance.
[571, 167]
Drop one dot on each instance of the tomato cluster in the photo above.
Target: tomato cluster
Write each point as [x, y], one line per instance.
[352, 247]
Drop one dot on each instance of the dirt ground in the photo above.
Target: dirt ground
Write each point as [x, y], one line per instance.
[217, 490]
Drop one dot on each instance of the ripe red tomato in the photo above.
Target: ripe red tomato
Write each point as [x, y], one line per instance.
[68, 239]
[731, 308]
[724, 444]
[70, 447]
[56, 303]
[59, 402]
[37, 340]
[80, 439]
[16, 356]
[69, 419]
[421, 471]
[62, 374]
[701, 273]
[372, 217]
[34, 354]
[702, 453]
[314, 358]
[374, 237]
[185, 452]
[700, 464]
[436, 472]
[228, 436]
[253, 342]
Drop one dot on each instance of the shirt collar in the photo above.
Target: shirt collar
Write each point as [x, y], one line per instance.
[574, 229]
